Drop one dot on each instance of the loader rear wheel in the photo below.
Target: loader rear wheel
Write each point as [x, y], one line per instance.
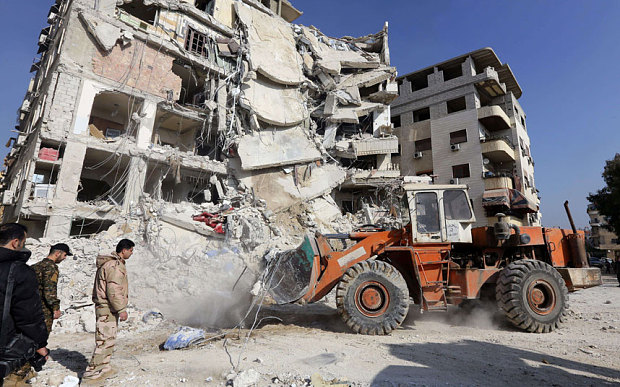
[372, 298]
[533, 295]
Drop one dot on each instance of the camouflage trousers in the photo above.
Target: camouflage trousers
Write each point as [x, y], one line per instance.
[105, 338]
[25, 370]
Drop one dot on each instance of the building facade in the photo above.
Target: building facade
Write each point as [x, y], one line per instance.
[460, 122]
[173, 99]
[601, 238]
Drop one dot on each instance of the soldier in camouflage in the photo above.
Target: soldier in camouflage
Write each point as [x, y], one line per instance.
[47, 276]
[110, 295]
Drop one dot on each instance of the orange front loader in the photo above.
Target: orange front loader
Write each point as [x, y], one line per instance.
[438, 259]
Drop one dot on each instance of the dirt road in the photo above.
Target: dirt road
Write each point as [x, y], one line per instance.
[454, 348]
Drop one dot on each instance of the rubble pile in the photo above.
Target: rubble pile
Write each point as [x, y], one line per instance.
[277, 128]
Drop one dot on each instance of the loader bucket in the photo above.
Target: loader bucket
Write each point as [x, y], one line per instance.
[292, 272]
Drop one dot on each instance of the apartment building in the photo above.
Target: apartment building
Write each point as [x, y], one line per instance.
[460, 122]
[175, 99]
[601, 238]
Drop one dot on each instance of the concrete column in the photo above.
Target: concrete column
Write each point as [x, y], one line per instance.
[135, 182]
[380, 119]
[435, 78]
[468, 67]
[147, 122]
[59, 225]
[221, 97]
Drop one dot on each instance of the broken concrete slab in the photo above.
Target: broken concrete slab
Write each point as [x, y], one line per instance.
[279, 190]
[351, 114]
[273, 50]
[261, 96]
[106, 35]
[276, 147]
[366, 79]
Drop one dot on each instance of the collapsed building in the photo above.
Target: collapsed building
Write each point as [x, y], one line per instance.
[220, 103]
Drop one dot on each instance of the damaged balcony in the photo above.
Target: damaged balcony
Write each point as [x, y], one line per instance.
[489, 86]
[111, 116]
[179, 130]
[497, 150]
[174, 184]
[493, 118]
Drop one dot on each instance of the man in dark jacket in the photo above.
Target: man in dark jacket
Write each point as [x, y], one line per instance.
[26, 315]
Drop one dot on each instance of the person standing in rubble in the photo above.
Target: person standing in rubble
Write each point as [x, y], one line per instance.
[47, 277]
[110, 295]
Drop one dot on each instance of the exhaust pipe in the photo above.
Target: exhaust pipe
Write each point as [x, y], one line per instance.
[576, 243]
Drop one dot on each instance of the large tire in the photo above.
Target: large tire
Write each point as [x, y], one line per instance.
[372, 298]
[532, 295]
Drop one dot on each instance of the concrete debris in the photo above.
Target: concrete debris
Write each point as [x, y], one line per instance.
[247, 378]
[277, 147]
[261, 96]
[106, 35]
[209, 138]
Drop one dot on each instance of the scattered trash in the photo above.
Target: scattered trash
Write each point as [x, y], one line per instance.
[70, 381]
[183, 338]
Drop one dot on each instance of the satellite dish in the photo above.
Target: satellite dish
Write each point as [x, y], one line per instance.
[485, 161]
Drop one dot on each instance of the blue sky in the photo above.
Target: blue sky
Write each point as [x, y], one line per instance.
[564, 54]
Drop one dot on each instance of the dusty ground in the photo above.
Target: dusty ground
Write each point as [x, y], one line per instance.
[453, 348]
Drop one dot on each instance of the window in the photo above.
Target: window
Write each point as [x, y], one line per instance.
[523, 122]
[196, 42]
[456, 105]
[396, 121]
[458, 137]
[460, 171]
[452, 71]
[421, 114]
[455, 205]
[146, 13]
[423, 145]
[427, 212]
[205, 5]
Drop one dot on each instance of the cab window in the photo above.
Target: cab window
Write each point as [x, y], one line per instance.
[427, 212]
[455, 205]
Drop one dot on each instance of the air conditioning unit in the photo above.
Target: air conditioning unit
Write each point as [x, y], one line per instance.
[7, 198]
[454, 181]
[418, 155]
[455, 147]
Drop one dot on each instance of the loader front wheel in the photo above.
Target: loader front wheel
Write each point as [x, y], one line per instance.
[372, 298]
[532, 295]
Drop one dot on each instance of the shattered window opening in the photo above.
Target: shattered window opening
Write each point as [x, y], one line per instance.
[196, 42]
[205, 5]
[137, 9]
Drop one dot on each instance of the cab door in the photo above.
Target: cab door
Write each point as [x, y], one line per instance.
[425, 217]
[457, 215]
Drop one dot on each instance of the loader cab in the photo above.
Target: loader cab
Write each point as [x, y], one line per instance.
[440, 213]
